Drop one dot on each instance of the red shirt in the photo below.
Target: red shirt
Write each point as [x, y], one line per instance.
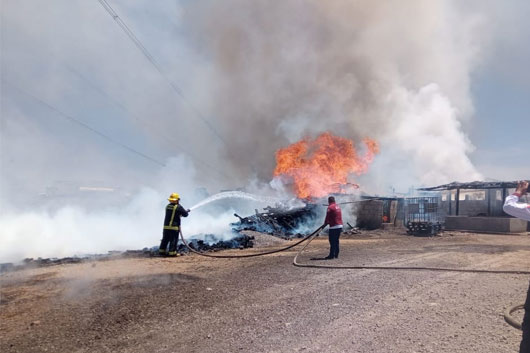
[333, 215]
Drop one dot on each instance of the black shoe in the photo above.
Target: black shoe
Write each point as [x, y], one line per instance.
[328, 258]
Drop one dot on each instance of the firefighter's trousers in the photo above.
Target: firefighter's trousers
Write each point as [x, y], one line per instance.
[169, 236]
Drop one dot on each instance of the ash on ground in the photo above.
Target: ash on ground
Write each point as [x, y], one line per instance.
[210, 242]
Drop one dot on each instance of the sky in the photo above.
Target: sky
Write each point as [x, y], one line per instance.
[500, 90]
[80, 102]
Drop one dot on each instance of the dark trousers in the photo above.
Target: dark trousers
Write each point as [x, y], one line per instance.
[169, 236]
[525, 343]
[334, 235]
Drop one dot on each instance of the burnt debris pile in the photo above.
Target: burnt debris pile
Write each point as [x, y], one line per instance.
[53, 261]
[278, 221]
[211, 243]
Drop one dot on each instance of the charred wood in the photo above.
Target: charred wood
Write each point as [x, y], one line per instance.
[277, 221]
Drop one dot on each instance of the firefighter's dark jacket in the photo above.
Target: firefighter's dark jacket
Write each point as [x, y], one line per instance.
[173, 213]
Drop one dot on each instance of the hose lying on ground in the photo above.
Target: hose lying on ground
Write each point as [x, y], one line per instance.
[312, 236]
[249, 255]
[508, 316]
[407, 268]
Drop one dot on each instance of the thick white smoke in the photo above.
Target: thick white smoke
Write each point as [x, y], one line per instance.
[136, 223]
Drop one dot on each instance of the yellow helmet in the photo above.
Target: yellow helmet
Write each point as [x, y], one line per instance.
[174, 197]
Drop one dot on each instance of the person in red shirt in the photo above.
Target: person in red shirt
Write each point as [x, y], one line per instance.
[334, 220]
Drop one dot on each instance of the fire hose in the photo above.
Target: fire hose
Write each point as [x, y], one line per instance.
[309, 238]
[402, 268]
[508, 316]
[248, 255]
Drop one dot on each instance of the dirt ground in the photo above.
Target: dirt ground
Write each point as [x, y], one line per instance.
[265, 304]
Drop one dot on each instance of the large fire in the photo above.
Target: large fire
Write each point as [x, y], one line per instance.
[321, 166]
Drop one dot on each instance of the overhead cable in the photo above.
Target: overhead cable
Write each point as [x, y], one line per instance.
[84, 125]
[151, 59]
[137, 118]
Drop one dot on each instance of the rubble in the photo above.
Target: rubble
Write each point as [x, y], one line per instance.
[350, 230]
[44, 262]
[277, 221]
[241, 241]
[210, 243]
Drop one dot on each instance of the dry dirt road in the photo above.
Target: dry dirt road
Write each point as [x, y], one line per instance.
[265, 304]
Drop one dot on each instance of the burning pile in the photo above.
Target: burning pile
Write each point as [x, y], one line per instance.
[319, 167]
[314, 168]
[278, 221]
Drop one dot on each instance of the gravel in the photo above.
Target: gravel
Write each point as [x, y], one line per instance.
[264, 304]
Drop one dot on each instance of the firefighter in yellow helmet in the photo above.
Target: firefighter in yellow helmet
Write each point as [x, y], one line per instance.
[172, 225]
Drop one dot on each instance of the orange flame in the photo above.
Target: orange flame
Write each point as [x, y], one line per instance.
[321, 166]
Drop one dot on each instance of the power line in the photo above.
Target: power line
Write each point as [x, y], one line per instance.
[149, 57]
[84, 125]
[135, 116]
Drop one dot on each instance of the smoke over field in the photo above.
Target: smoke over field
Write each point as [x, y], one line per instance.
[232, 83]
